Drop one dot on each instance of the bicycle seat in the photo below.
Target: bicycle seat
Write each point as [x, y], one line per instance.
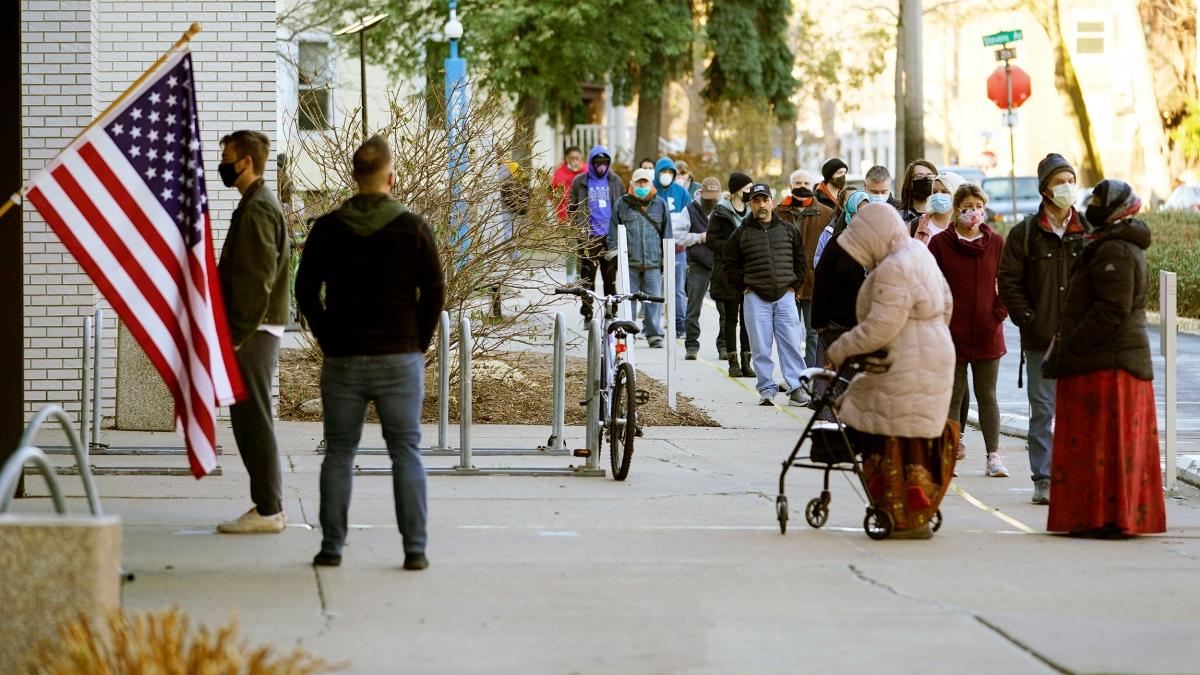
[629, 327]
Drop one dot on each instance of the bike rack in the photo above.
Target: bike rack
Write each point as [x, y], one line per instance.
[555, 445]
[90, 410]
[27, 452]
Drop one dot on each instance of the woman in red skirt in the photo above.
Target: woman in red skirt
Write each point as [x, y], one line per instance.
[1105, 475]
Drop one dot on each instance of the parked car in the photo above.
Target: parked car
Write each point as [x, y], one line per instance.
[969, 173]
[1184, 198]
[1000, 202]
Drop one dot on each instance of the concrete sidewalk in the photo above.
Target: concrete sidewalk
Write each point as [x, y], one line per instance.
[680, 569]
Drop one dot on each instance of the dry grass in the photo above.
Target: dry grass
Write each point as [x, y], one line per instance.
[161, 643]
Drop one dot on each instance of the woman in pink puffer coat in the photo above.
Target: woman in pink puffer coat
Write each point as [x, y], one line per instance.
[899, 416]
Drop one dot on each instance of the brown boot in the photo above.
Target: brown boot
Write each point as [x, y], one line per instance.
[747, 369]
[734, 369]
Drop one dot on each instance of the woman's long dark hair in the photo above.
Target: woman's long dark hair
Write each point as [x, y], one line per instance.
[906, 197]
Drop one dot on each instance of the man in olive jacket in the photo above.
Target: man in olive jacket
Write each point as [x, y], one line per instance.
[765, 260]
[254, 282]
[1034, 273]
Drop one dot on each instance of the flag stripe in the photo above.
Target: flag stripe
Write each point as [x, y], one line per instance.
[138, 274]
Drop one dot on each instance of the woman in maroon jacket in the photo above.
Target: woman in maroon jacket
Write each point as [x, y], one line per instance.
[969, 255]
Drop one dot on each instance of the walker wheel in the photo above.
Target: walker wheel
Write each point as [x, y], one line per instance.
[816, 513]
[877, 524]
[781, 512]
[936, 522]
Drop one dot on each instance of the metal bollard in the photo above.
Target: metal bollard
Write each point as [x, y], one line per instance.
[595, 354]
[97, 354]
[443, 381]
[558, 416]
[669, 310]
[85, 389]
[1167, 311]
[464, 396]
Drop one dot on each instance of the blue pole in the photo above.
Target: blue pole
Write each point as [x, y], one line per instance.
[457, 98]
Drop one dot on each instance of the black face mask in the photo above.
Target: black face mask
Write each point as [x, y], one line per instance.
[839, 182]
[229, 175]
[802, 193]
[922, 188]
[707, 205]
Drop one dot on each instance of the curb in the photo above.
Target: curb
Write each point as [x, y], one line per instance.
[1187, 467]
[1184, 324]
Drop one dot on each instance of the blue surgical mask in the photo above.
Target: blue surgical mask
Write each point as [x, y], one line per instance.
[939, 202]
[877, 199]
[642, 192]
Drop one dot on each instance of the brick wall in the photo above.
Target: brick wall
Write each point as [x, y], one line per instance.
[78, 56]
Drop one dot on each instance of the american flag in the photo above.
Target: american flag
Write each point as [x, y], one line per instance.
[127, 199]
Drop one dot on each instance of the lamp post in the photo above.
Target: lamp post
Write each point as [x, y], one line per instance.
[457, 97]
[360, 27]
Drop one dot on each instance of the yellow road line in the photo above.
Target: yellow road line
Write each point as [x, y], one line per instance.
[743, 385]
[972, 500]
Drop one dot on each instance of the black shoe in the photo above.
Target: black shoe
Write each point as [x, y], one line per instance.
[690, 356]
[747, 369]
[324, 559]
[734, 369]
[415, 561]
[655, 343]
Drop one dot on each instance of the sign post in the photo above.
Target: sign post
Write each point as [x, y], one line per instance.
[1007, 101]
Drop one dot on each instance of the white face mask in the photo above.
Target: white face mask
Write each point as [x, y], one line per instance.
[1063, 195]
[665, 178]
[877, 199]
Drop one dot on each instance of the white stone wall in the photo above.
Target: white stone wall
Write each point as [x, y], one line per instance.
[78, 56]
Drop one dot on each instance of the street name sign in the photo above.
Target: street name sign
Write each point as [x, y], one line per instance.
[1002, 38]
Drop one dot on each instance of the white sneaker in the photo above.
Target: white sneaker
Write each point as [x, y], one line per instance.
[251, 522]
[995, 466]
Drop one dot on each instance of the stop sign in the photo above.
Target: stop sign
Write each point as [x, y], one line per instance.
[998, 91]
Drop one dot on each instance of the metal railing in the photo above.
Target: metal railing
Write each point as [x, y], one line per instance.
[26, 452]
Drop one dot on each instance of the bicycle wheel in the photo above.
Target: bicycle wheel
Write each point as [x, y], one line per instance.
[622, 421]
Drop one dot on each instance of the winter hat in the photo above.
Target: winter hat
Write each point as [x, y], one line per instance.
[711, 188]
[1112, 201]
[831, 167]
[951, 180]
[737, 181]
[1050, 165]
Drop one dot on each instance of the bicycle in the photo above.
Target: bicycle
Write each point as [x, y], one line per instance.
[618, 392]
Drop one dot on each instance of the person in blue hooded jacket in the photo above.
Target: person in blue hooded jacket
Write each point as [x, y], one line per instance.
[590, 209]
[677, 199]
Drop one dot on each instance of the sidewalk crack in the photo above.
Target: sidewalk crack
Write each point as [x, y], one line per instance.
[327, 617]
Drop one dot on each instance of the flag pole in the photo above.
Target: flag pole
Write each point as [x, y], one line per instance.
[17, 197]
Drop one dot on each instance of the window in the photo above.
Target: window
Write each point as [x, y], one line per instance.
[314, 102]
[1089, 37]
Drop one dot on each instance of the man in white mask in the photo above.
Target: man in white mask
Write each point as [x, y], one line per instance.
[1033, 279]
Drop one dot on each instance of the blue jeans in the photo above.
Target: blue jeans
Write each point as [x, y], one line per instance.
[396, 382]
[1041, 415]
[810, 334]
[768, 322]
[681, 299]
[648, 281]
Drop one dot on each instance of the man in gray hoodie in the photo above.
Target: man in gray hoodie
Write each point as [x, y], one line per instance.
[381, 274]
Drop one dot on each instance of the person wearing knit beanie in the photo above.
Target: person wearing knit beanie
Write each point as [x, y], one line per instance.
[1050, 165]
[833, 180]
[830, 169]
[1111, 202]
[737, 181]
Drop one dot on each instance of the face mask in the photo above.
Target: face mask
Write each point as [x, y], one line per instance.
[683, 181]
[229, 175]
[838, 182]
[1063, 195]
[802, 193]
[665, 179]
[922, 188]
[971, 219]
[877, 199]
[745, 197]
[939, 203]
[707, 205]
[642, 192]
[601, 169]
[573, 165]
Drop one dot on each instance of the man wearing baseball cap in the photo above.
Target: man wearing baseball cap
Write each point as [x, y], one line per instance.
[700, 265]
[765, 260]
[1033, 276]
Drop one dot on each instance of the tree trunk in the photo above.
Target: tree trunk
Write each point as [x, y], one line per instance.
[898, 94]
[696, 112]
[791, 154]
[526, 122]
[649, 122]
[828, 132]
[914, 94]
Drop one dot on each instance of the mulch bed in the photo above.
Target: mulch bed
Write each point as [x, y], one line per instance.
[508, 388]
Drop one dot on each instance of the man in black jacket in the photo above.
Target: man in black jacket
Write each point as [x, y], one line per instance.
[765, 261]
[699, 267]
[1033, 279]
[381, 274]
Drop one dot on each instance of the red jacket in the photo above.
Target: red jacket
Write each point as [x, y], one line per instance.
[560, 184]
[970, 267]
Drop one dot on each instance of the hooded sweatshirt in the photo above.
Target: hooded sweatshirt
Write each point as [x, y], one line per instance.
[592, 196]
[379, 267]
[563, 177]
[677, 198]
